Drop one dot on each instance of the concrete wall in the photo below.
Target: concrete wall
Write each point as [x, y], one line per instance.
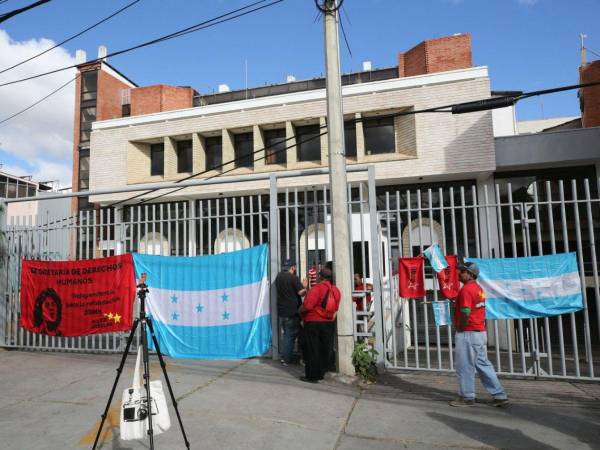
[428, 145]
[549, 149]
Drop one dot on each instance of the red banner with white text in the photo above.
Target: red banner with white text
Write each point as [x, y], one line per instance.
[410, 274]
[77, 298]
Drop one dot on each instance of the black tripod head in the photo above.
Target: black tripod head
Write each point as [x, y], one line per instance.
[142, 287]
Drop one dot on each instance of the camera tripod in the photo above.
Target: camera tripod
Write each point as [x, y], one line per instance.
[142, 291]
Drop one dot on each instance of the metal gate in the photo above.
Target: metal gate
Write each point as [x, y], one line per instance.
[495, 221]
[295, 221]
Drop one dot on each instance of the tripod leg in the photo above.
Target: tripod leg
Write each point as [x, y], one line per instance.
[147, 381]
[164, 369]
[119, 370]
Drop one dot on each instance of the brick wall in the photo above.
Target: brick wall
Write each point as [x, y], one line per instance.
[151, 99]
[436, 55]
[590, 96]
[108, 105]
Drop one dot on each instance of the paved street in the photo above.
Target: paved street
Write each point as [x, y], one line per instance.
[54, 400]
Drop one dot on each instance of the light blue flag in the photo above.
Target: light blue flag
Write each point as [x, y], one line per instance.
[441, 313]
[436, 257]
[211, 307]
[535, 286]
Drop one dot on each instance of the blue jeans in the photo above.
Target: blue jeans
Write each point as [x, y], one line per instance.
[291, 328]
[470, 352]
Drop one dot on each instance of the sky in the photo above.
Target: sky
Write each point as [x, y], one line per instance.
[526, 44]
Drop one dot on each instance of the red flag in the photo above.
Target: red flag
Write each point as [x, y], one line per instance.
[448, 278]
[76, 298]
[410, 273]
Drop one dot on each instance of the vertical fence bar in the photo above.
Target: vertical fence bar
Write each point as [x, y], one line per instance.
[586, 318]
[508, 323]
[563, 214]
[592, 239]
[274, 259]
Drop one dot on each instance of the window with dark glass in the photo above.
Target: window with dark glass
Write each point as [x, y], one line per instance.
[89, 85]
[244, 150]
[275, 146]
[308, 143]
[88, 116]
[22, 190]
[350, 137]
[379, 135]
[184, 156]
[157, 159]
[84, 169]
[12, 189]
[214, 152]
[31, 191]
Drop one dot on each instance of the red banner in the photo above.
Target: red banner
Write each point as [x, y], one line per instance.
[76, 298]
[410, 273]
[448, 278]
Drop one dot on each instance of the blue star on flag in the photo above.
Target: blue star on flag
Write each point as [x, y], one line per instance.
[226, 315]
[199, 308]
[174, 299]
[175, 316]
[225, 298]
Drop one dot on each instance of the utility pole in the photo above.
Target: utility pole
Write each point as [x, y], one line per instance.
[342, 265]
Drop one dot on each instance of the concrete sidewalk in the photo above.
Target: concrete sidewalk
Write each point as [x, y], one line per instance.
[54, 400]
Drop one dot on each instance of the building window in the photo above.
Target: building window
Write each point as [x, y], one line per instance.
[84, 169]
[184, 156]
[89, 85]
[379, 135]
[275, 146]
[214, 152]
[157, 159]
[88, 116]
[308, 143]
[244, 150]
[350, 138]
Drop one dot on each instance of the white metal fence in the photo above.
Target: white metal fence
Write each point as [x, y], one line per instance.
[501, 220]
[489, 221]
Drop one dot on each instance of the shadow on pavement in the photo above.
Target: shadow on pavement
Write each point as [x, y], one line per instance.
[492, 435]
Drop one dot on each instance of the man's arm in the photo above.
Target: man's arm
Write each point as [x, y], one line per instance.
[464, 318]
[309, 301]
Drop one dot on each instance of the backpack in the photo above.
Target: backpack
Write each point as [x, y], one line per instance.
[328, 306]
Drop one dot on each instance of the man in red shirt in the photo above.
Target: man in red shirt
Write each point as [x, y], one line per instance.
[318, 312]
[471, 341]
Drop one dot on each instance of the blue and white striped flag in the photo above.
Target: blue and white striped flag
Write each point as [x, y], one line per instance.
[441, 313]
[211, 307]
[529, 287]
[436, 257]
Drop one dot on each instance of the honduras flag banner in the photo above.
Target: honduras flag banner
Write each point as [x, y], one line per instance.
[530, 287]
[435, 257]
[210, 307]
[441, 313]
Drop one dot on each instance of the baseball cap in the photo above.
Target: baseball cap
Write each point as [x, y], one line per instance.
[289, 263]
[470, 267]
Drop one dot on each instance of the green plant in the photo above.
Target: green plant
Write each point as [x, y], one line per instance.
[364, 359]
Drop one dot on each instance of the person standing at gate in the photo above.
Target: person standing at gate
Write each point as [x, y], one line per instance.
[318, 312]
[289, 298]
[471, 341]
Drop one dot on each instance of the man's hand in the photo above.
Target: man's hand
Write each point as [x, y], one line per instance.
[305, 283]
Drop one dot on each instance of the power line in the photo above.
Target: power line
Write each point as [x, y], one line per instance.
[37, 102]
[592, 51]
[15, 12]
[197, 27]
[72, 37]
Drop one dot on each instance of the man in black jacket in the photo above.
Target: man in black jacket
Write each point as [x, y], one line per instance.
[289, 298]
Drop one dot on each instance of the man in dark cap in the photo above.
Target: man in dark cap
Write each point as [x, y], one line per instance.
[471, 341]
[318, 312]
[289, 298]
